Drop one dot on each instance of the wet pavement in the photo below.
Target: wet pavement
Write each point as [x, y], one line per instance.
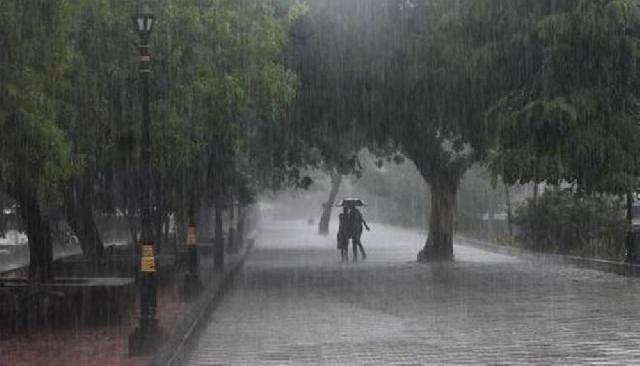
[295, 303]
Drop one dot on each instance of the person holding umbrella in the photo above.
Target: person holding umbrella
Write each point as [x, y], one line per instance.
[343, 236]
[353, 224]
[356, 223]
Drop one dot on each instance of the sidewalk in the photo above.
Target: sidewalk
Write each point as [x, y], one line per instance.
[104, 344]
[620, 268]
[295, 303]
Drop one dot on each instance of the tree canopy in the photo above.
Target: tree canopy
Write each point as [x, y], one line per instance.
[246, 91]
[544, 91]
[573, 115]
[70, 109]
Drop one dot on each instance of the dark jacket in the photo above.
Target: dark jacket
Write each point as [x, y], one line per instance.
[354, 223]
[343, 235]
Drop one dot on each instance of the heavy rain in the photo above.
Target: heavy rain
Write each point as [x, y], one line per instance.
[311, 182]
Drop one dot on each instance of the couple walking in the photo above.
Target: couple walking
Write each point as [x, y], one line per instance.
[350, 227]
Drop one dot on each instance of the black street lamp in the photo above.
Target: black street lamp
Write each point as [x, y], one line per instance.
[147, 335]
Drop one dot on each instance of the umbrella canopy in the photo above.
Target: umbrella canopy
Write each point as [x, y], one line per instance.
[351, 202]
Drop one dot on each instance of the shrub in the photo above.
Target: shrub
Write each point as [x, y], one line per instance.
[564, 222]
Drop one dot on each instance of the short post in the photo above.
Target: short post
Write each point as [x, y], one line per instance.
[192, 284]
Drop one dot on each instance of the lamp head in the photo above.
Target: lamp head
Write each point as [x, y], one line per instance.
[144, 22]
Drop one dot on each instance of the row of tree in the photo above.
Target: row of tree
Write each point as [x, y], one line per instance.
[70, 110]
[541, 91]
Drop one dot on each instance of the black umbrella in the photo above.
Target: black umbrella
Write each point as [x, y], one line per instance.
[351, 202]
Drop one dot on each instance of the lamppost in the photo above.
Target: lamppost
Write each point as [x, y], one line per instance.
[147, 335]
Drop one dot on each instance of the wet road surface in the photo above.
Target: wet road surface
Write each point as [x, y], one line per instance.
[295, 303]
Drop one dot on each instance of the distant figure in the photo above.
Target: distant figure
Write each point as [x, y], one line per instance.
[355, 223]
[343, 236]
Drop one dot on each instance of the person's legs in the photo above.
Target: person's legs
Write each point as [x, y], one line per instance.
[355, 249]
[344, 250]
[341, 246]
[358, 243]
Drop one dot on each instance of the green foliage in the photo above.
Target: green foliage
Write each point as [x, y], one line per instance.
[70, 110]
[547, 90]
[573, 114]
[223, 62]
[214, 63]
[393, 76]
[34, 63]
[509, 241]
[563, 222]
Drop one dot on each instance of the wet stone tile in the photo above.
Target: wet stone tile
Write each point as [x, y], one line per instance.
[295, 303]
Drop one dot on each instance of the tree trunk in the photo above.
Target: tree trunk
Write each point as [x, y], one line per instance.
[158, 220]
[240, 226]
[38, 231]
[507, 194]
[79, 214]
[205, 220]
[327, 207]
[630, 253]
[491, 219]
[158, 214]
[129, 193]
[218, 246]
[3, 218]
[181, 226]
[232, 220]
[133, 228]
[414, 209]
[166, 222]
[439, 246]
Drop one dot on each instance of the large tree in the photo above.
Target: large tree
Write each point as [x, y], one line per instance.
[100, 118]
[35, 156]
[399, 76]
[439, 80]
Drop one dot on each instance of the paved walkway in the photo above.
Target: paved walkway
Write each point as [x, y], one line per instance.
[295, 303]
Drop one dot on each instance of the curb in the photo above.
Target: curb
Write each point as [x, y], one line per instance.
[176, 348]
[602, 265]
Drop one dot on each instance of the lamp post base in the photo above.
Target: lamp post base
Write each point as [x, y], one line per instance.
[148, 335]
[145, 341]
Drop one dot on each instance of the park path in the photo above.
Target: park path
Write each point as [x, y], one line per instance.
[295, 303]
